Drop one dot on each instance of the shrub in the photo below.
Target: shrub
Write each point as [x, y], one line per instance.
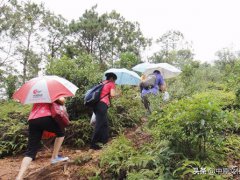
[113, 159]
[125, 111]
[195, 126]
[13, 128]
[78, 134]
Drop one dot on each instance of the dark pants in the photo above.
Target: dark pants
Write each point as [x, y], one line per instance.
[100, 134]
[36, 128]
[146, 103]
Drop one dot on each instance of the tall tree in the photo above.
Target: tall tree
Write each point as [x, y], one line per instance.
[226, 57]
[125, 36]
[173, 49]
[30, 27]
[107, 36]
[8, 31]
[57, 31]
[86, 30]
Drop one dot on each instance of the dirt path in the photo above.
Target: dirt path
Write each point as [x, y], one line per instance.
[9, 166]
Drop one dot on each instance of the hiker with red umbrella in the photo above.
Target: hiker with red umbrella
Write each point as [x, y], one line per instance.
[42, 92]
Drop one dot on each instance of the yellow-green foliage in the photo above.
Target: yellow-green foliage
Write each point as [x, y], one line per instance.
[10, 107]
[232, 146]
[223, 98]
[13, 127]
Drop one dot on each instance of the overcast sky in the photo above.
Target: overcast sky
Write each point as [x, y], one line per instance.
[209, 24]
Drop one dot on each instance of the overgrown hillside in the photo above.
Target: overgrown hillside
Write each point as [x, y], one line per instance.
[193, 136]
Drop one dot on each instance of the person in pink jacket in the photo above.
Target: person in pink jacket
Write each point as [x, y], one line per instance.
[40, 120]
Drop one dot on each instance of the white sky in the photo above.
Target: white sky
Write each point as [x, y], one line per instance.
[209, 24]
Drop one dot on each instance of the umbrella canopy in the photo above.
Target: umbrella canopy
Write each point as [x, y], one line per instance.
[124, 76]
[44, 89]
[167, 70]
[142, 67]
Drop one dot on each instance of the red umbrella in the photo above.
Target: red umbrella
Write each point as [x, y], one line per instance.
[44, 89]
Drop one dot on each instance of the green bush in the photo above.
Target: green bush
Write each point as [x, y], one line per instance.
[196, 128]
[82, 71]
[78, 134]
[195, 78]
[113, 159]
[192, 124]
[121, 160]
[125, 111]
[13, 137]
[13, 127]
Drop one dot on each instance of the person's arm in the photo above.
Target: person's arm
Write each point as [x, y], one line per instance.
[61, 100]
[115, 93]
[162, 84]
[162, 87]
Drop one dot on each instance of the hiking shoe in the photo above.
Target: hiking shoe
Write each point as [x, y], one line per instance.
[59, 159]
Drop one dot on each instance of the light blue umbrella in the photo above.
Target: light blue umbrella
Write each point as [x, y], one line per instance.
[124, 76]
[142, 67]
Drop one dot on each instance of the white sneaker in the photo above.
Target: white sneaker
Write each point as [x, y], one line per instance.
[59, 159]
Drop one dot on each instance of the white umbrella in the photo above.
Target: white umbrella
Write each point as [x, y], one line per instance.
[124, 76]
[167, 70]
[142, 67]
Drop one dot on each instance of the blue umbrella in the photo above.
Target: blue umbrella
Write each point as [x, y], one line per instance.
[142, 67]
[124, 76]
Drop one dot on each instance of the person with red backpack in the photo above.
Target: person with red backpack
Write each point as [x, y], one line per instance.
[101, 128]
[40, 120]
[151, 84]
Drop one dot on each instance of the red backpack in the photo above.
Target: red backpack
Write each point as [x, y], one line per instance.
[60, 115]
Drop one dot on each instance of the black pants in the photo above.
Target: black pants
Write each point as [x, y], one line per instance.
[146, 103]
[36, 128]
[100, 134]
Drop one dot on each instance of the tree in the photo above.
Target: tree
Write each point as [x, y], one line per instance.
[86, 30]
[128, 60]
[173, 49]
[8, 31]
[22, 27]
[226, 57]
[125, 36]
[170, 40]
[33, 64]
[10, 84]
[107, 36]
[57, 31]
[29, 34]
[30, 28]
[83, 71]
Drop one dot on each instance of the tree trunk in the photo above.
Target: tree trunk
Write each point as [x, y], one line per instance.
[25, 60]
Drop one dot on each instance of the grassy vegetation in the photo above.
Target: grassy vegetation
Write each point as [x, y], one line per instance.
[197, 131]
